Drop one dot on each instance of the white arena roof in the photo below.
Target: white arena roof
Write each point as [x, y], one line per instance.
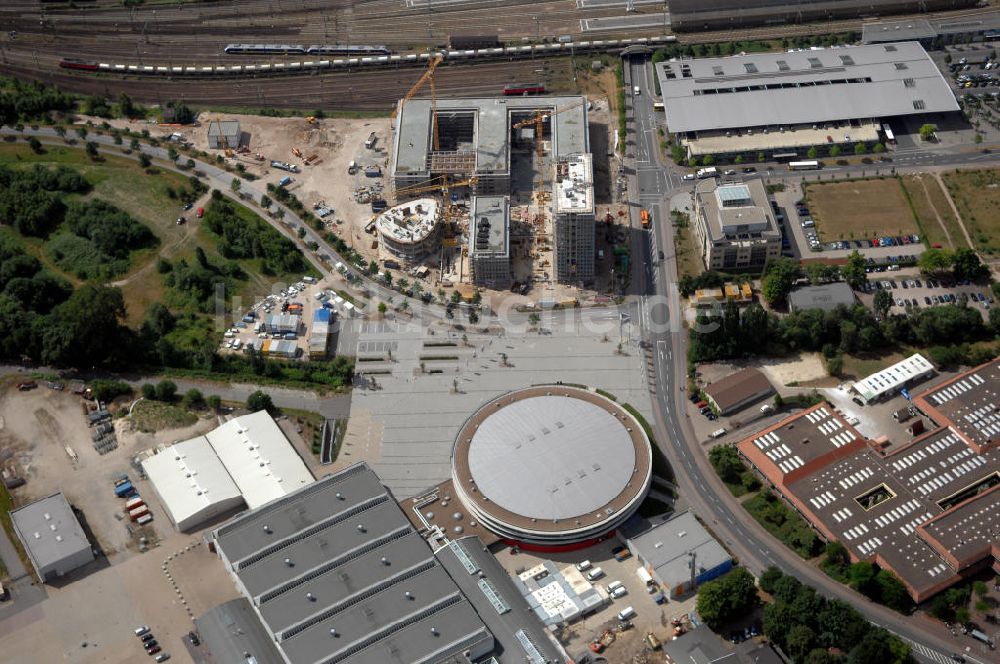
[551, 465]
[549, 457]
[892, 378]
[247, 461]
[259, 458]
[192, 483]
[802, 87]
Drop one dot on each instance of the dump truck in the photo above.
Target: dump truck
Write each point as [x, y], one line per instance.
[645, 218]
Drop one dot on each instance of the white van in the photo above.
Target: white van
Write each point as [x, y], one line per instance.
[615, 585]
[619, 592]
[626, 613]
[718, 433]
[635, 91]
[595, 574]
[584, 566]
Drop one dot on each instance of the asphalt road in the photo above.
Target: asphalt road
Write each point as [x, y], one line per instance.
[667, 353]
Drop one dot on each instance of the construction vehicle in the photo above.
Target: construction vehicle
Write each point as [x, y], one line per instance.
[311, 120]
[297, 152]
[603, 641]
[539, 120]
[645, 219]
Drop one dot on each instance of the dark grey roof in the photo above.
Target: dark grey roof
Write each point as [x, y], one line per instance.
[826, 296]
[892, 31]
[49, 530]
[803, 86]
[337, 574]
[232, 630]
[666, 548]
[517, 615]
[699, 646]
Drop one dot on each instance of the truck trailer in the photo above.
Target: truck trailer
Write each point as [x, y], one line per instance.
[124, 490]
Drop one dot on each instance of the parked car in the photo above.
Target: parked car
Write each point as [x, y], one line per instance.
[154, 650]
[139, 631]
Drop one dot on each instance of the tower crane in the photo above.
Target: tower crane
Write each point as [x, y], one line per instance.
[427, 77]
[538, 119]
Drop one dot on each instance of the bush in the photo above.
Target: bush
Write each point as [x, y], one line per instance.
[783, 523]
[213, 401]
[166, 390]
[193, 398]
[149, 391]
[260, 401]
[107, 390]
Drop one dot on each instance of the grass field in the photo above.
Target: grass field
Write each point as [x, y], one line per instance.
[977, 196]
[859, 209]
[935, 217]
[120, 181]
[857, 367]
[153, 416]
[686, 250]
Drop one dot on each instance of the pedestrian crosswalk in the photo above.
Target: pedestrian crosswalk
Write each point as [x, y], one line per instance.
[927, 654]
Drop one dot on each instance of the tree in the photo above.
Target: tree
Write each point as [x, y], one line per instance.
[35, 145]
[727, 598]
[799, 642]
[91, 149]
[258, 401]
[144, 160]
[265, 201]
[235, 184]
[707, 160]
[935, 262]
[812, 153]
[879, 647]
[125, 106]
[860, 148]
[148, 391]
[879, 148]
[87, 329]
[882, 303]
[770, 578]
[189, 164]
[213, 401]
[81, 132]
[978, 139]
[534, 319]
[182, 114]
[835, 151]
[761, 158]
[861, 575]
[134, 144]
[927, 131]
[382, 308]
[166, 390]
[61, 131]
[107, 390]
[966, 265]
[892, 592]
[854, 271]
[779, 276]
[172, 153]
[726, 461]
[193, 398]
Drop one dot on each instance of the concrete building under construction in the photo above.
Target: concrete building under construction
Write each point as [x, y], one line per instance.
[488, 144]
[489, 241]
[411, 230]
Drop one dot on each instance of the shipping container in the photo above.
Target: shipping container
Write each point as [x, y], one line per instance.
[125, 489]
[137, 512]
[144, 519]
[133, 502]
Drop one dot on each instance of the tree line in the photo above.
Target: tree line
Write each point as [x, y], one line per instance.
[240, 237]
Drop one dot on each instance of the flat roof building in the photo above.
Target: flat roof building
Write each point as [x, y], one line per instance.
[734, 226]
[489, 241]
[699, 15]
[245, 461]
[574, 219]
[771, 102]
[559, 596]
[931, 31]
[824, 296]
[928, 511]
[737, 391]
[52, 536]
[889, 381]
[680, 554]
[970, 404]
[335, 573]
[551, 466]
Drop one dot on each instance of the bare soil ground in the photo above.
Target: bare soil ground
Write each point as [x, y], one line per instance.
[860, 209]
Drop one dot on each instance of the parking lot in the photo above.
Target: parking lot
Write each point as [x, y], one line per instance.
[301, 299]
[911, 292]
[650, 617]
[800, 238]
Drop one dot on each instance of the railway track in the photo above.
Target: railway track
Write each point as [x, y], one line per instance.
[375, 90]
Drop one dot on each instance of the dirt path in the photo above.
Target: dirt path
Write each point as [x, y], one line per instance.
[937, 215]
[954, 210]
[189, 230]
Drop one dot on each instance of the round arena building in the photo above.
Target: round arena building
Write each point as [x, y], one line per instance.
[552, 468]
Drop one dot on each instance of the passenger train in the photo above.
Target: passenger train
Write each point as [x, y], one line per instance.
[316, 49]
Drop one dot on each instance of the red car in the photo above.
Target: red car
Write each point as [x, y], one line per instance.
[201, 212]
[153, 650]
[26, 385]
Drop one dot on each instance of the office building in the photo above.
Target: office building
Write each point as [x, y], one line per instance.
[734, 225]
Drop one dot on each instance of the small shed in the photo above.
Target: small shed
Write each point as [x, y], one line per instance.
[224, 134]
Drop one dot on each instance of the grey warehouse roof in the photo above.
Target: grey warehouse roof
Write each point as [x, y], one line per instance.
[802, 87]
[232, 629]
[666, 547]
[826, 296]
[49, 530]
[413, 139]
[337, 574]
